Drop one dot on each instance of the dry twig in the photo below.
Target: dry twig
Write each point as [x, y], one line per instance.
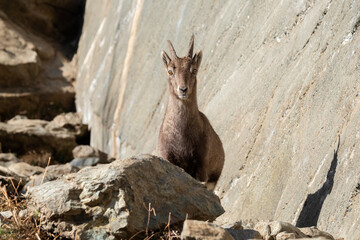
[42, 180]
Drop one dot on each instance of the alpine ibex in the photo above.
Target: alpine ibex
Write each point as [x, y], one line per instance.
[186, 137]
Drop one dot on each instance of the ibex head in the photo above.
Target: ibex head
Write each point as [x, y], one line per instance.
[182, 71]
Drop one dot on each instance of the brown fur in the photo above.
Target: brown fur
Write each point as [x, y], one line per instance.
[186, 137]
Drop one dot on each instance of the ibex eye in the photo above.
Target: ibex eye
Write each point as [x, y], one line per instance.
[194, 71]
[170, 72]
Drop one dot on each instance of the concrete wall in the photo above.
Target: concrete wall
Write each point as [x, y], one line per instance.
[279, 81]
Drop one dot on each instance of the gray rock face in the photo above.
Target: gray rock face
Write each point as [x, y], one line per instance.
[278, 82]
[53, 172]
[111, 200]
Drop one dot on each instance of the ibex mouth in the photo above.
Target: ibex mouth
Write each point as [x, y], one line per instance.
[182, 96]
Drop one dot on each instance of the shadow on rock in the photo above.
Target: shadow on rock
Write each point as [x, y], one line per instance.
[312, 207]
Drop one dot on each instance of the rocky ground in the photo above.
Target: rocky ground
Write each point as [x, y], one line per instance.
[55, 186]
[143, 197]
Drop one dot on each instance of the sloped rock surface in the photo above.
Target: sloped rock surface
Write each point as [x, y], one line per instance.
[111, 200]
[279, 82]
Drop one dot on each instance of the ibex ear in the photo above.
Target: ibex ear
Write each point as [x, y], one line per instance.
[197, 59]
[165, 59]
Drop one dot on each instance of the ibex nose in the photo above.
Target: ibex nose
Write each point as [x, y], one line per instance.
[183, 90]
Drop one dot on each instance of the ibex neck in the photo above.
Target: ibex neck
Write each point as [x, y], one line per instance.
[182, 113]
[179, 107]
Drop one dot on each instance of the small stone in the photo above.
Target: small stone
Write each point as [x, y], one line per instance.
[200, 230]
[84, 162]
[86, 151]
[6, 214]
[23, 213]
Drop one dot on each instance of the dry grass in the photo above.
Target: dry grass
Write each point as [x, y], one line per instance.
[16, 227]
[170, 232]
[19, 226]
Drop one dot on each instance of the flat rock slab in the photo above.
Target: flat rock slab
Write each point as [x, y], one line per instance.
[18, 67]
[111, 201]
[25, 135]
[200, 230]
[44, 100]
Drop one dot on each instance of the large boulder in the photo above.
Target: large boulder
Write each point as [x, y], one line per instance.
[116, 200]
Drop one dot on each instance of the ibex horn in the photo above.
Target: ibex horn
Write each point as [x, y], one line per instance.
[191, 46]
[172, 50]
